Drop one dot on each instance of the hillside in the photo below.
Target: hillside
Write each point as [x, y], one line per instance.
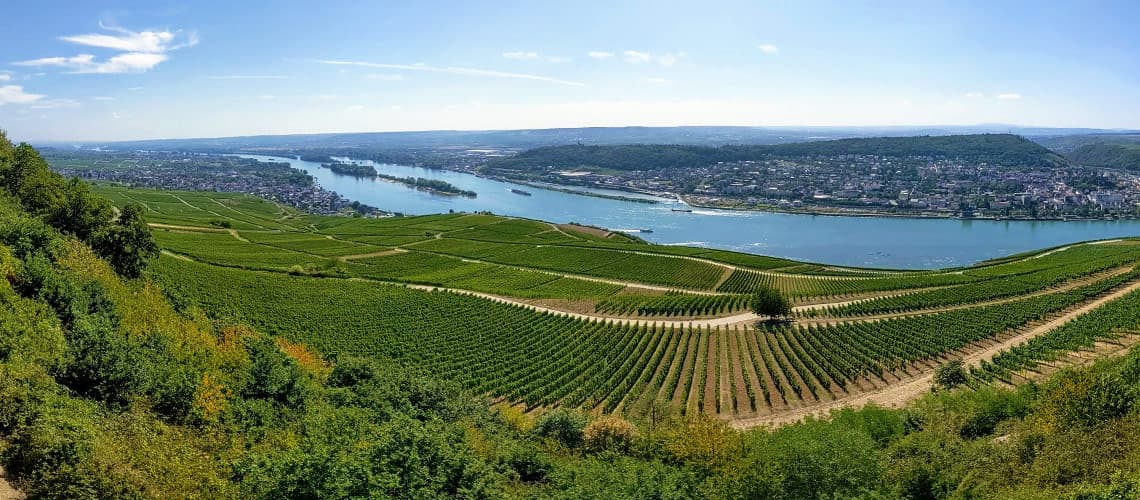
[1122, 156]
[120, 378]
[1000, 149]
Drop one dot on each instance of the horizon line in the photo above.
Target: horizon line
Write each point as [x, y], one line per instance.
[1114, 130]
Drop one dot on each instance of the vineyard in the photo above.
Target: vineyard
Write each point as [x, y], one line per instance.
[543, 359]
[672, 304]
[643, 325]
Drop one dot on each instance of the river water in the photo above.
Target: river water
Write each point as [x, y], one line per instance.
[852, 241]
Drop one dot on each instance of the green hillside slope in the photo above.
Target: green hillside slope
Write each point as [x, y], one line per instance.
[121, 379]
[999, 149]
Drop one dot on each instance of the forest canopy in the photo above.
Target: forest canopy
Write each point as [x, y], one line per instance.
[998, 149]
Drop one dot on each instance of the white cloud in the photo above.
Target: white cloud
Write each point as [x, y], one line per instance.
[454, 70]
[386, 77]
[267, 97]
[524, 56]
[102, 98]
[247, 77]
[140, 51]
[5, 77]
[131, 62]
[635, 57]
[55, 103]
[395, 107]
[134, 89]
[596, 54]
[768, 48]
[975, 95]
[534, 56]
[1009, 96]
[14, 94]
[354, 108]
[115, 115]
[665, 60]
[658, 81]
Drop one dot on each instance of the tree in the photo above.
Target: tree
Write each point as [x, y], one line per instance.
[80, 212]
[769, 302]
[562, 425]
[950, 375]
[127, 244]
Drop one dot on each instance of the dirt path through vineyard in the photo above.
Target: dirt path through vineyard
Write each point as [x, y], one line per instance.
[896, 395]
[7, 492]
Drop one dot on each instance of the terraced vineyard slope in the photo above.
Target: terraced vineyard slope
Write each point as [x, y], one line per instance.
[541, 315]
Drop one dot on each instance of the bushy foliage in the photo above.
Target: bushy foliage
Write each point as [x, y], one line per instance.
[949, 375]
[608, 433]
[564, 426]
[127, 243]
[767, 301]
[72, 209]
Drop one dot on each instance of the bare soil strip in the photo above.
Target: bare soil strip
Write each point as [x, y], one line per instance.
[381, 253]
[896, 395]
[7, 492]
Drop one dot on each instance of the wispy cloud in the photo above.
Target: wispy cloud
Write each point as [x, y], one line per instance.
[267, 97]
[140, 51]
[975, 95]
[134, 89]
[14, 94]
[768, 48]
[354, 108]
[453, 70]
[247, 77]
[658, 81]
[667, 59]
[385, 77]
[636, 57]
[523, 56]
[597, 54]
[1010, 96]
[55, 103]
[5, 77]
[534, 56]
[102, 98]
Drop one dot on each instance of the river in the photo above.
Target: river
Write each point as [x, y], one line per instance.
[890, 242]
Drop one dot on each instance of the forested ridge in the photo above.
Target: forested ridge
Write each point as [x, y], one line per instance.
[1105, 155]
[999, 149]
[113, 387]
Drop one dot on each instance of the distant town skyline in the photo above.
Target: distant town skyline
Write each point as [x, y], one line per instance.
[137, 70]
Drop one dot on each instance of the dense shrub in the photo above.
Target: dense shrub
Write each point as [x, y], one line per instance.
[561, 425]
[608, 433]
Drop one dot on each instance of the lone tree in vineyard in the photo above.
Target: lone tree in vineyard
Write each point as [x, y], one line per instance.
[769, 302]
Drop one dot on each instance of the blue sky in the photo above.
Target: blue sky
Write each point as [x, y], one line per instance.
[126, 70]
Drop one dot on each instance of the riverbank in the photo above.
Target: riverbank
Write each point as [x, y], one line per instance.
[859, 241]
[567, 190]
[840, 212]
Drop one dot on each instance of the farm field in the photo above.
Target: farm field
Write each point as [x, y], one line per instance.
[520, 258]
[651, 325]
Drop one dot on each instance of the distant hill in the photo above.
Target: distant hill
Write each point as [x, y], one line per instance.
[1067, 143]
[532, 138]
[1122, 156]
[998, 149]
